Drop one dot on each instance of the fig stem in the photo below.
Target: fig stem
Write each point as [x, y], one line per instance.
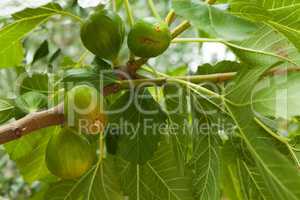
[170, 18]
[211, 2]
[101, 147]
[180, 28]
[134, 65]
[129, 12]
[81, 60]
[153, 9]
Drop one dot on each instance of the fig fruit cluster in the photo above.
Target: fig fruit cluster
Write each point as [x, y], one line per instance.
[69, 154]
[103, 34]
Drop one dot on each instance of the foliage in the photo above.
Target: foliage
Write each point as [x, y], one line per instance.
[225, 130]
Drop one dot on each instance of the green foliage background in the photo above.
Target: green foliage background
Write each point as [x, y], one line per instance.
[260, 35]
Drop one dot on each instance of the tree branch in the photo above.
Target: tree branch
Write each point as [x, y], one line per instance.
[30, 123]
[55, 116]
[39, 120]
[133, 66]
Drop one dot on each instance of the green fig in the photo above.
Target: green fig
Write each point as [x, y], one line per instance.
[103, 34]
[69, 155]
[84, 110]
[149, 39]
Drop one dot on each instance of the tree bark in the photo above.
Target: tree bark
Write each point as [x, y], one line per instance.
[31, 122]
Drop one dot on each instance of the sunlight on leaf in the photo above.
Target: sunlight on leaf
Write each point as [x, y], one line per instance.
[11, 53]
[214, 21]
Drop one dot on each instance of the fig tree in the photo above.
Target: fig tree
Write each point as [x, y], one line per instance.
[69, 155]
[149, 39]
[103, 34]
[84, 110]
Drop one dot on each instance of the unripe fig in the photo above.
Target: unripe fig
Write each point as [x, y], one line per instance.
[69, 155]
[147, 39]
[103, 34]
[84, 110]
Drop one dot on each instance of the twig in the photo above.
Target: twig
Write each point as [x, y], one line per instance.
[170, 18]
[39, 120]
[134, 65]
[30, 123]
[153, 9]
[55, 116]
[129, 12]
[180, 29]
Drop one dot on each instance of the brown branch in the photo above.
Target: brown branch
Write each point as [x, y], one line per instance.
[30, 123]
[134, 65]
[55, 116]
[39, 120]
